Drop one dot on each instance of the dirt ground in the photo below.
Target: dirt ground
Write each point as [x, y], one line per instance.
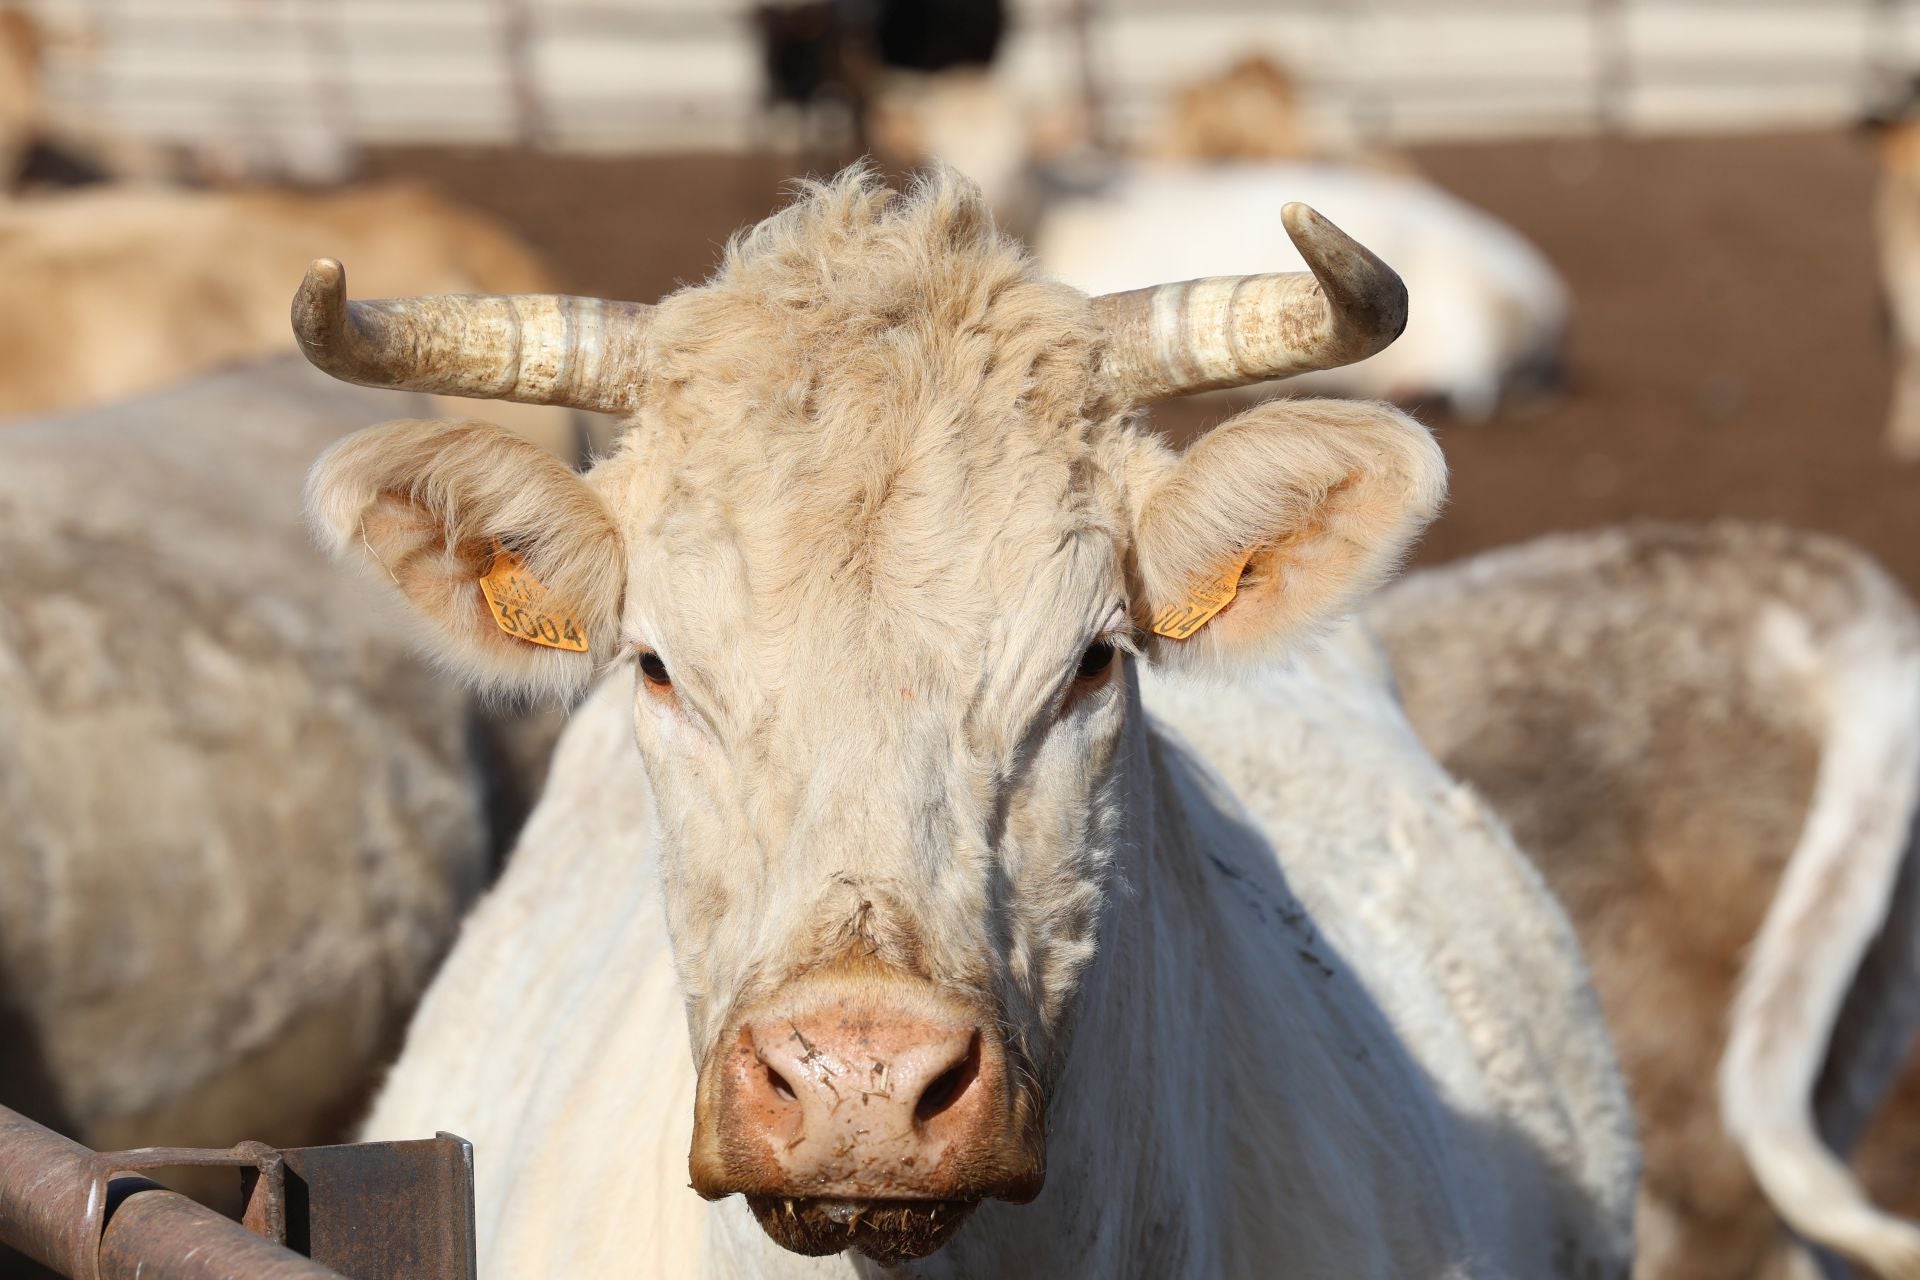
[1726, 355]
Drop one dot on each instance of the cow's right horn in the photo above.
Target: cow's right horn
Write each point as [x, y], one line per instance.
[583, 353]
[1233, 331]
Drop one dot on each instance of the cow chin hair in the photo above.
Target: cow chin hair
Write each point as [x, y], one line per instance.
[887, 1231]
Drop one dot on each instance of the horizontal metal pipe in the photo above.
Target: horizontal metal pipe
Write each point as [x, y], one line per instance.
[158, 1235]
[47, 1183]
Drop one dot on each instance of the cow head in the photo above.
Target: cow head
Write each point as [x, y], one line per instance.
[880, 547]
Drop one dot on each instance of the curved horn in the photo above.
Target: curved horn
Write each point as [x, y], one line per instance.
[583, 353]
[1230, 331]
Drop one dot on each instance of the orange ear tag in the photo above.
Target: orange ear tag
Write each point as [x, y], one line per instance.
[1179, 621]
[521, 607]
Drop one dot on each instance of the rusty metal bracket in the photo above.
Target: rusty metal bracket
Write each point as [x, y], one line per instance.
[368, 1210]
[265, 1206]
[51, 1197]
[374, 1210]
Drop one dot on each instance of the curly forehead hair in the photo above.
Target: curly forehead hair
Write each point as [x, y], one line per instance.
[851, 237]
[856, 290]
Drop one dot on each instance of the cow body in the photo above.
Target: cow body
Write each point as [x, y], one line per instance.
[954, 923]
[1305, 1054]
[1485, 308]
[1487, 311]
[1709, 741]
[239, 818]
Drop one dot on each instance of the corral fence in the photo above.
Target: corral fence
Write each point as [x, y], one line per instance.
[307, 80]
[362, 1211]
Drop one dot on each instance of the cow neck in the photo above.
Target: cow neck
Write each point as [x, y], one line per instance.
[1140, 1071]
[1148, 1137]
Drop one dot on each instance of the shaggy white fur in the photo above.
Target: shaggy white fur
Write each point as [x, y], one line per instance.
[1726, 716]
[239, 816]
[876, 505]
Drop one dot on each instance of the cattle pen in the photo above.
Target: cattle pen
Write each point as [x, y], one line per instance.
[251, 814]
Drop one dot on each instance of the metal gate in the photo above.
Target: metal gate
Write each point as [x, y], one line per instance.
[362, 1211]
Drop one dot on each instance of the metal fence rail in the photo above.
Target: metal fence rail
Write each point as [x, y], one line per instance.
[362, 1211]
[59, 1208]
[637, 75]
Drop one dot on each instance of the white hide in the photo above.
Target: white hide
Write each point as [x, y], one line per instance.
[240, 817]
[1372, 1054]
[1482, 301]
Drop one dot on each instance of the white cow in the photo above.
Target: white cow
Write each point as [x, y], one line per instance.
[240, 817]
[1485, 308]
[1709, 740]
[1488, 311]
[956, 907]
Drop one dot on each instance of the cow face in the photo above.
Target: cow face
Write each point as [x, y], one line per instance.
[879, 554]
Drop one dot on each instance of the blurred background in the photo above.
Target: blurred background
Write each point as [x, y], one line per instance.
[1697, 173]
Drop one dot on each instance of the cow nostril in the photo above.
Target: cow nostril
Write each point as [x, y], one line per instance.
[779, 1085]
[947, 1088]
[939, 1095]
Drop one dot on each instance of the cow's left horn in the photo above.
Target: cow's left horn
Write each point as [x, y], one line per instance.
[1232, 331]
[583, 353]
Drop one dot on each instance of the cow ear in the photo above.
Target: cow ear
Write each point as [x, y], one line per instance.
[511, 559]
[1276, 523]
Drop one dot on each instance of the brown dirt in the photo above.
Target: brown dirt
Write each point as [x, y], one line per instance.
[1726, 354]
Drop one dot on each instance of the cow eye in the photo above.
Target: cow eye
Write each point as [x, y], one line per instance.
[654, 670]
[1095, 661]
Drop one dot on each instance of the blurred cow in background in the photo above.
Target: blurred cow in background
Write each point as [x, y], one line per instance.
[128, 286]
[829, 53]
[1016, 150]
[1709, 742]
[1251, 111]
[1488, 312]
[44, 148]
[39, 151]
[108, 292]
[20, 114]
[1896, 220]
[114, 291]
[239, 817]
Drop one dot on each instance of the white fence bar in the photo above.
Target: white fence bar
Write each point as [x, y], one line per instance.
[669, 74]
